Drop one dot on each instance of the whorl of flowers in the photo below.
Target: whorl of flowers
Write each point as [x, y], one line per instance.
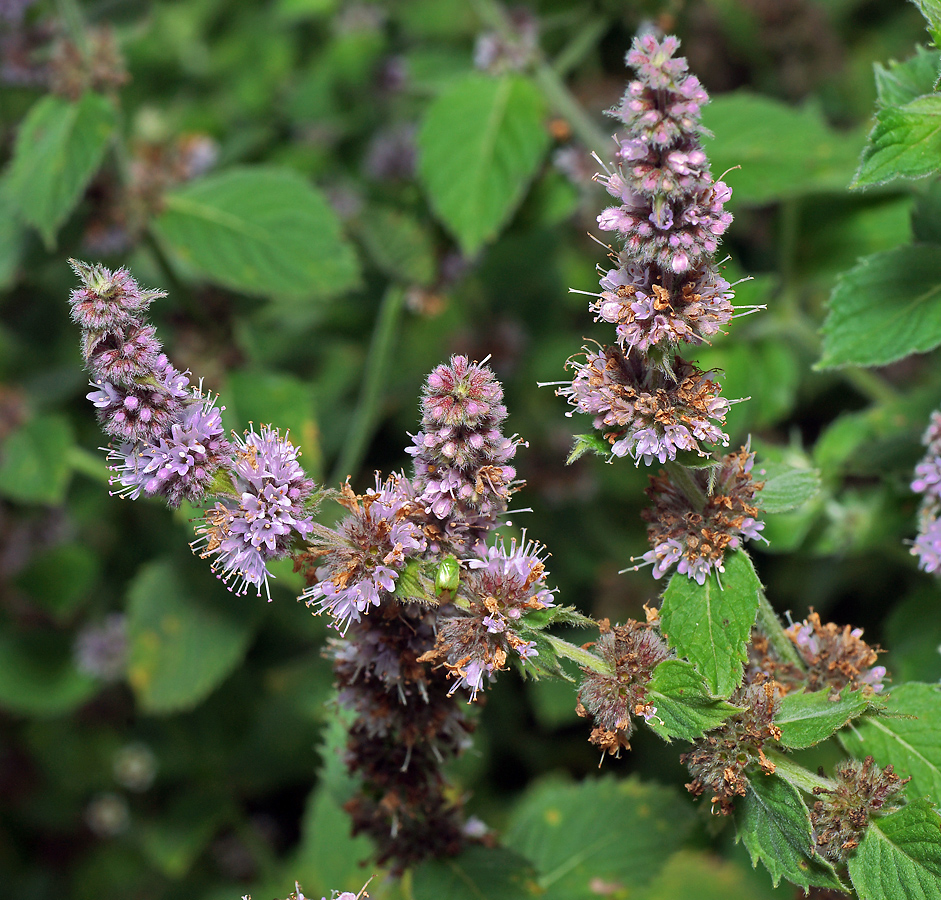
[927, 546]
[264, 515]
[719, 760]
[842, 814]
[461, 456]
[363, 558]
[648, 413]
[632, 651]
[691, 526]
[500, 587]
[836, 656]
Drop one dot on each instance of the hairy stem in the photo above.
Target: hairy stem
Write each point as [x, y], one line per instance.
[579, 655]
[796, 774]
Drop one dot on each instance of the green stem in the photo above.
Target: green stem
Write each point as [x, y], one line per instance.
[88, 463]
[682, 478]
[550, 83]
[378, 363]
[796, 774]
[770, 626]
[579, 655]
[582, 41]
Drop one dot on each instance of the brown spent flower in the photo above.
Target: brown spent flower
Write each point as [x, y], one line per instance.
[862, 790]
[633, 651]
[719, 760]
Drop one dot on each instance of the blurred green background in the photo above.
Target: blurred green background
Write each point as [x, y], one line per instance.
[161, 738]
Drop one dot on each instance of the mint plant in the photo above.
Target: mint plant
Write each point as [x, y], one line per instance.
[700, 612]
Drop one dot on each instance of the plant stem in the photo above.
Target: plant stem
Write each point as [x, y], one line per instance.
[577, 654]
[796, 774]
[770, 626]
[378, 361]
[582, 41]
[682, 478]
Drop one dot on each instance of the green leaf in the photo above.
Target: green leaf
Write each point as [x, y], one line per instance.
[901, 83]
[181, 648]
[59, 148]
[480, 145]
[173, 842]
[328, 857]
[911, 745]
[597, 832]
[783, 151]
[60, 578]
[887, 307]
[710, 624]
[774, 825]
[786, 487]
[398, 244]
[904, 143]
[588, 443]
[478, 873]
[806, 719]
[926, 215]
[38, 677]
[11, 237]
[931, 10]
[259, 230]
[684, 708]
[900, 856]
[692, 875]
[34, 461]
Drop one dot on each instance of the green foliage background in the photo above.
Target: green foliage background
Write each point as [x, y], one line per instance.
[374, 204]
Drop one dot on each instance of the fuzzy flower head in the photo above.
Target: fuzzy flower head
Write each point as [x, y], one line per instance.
[648, 308]
[927, 546]
[499, 588]
[461, 455]
[632, 651]
[647, 413]
[836, 657]
[181, 464]
[670, 212]
[270, 512]
[107, 300]
[694, 532]
[362, 560]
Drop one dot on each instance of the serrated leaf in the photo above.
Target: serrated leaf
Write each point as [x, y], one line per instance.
[931, 10]
[904, 143]
[684, 707]
[475, 874]
[181, 648]
[900, 856]
[774, 825]
[58, 149]
[259, 230]
[588, 443]
[885, 308]
[578, 836]
[710, 624]
[911, 743]
[34, 461]
[399, 245]
[480, 145]
[786, 488]
[783, 151]
[538, 619]
[901, 83]
[806, 719]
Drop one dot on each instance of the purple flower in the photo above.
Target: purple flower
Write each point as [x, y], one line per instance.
[927, 546]
[268, 516]
[363, 558]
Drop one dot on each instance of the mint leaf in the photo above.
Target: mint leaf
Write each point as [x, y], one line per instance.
[774, 825]
[910, 743]
[38, 676]
[904, 143]
[685, 708]
[34, 461]
[710, 624]
[901, 83]
[59, 148]
[181, 648]
[259, 230]
[806, 719]
[900, 856]
[885, 308]
[786, 487]
[477, 873]
[480, 145]
[577, 835]
[931, 10]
